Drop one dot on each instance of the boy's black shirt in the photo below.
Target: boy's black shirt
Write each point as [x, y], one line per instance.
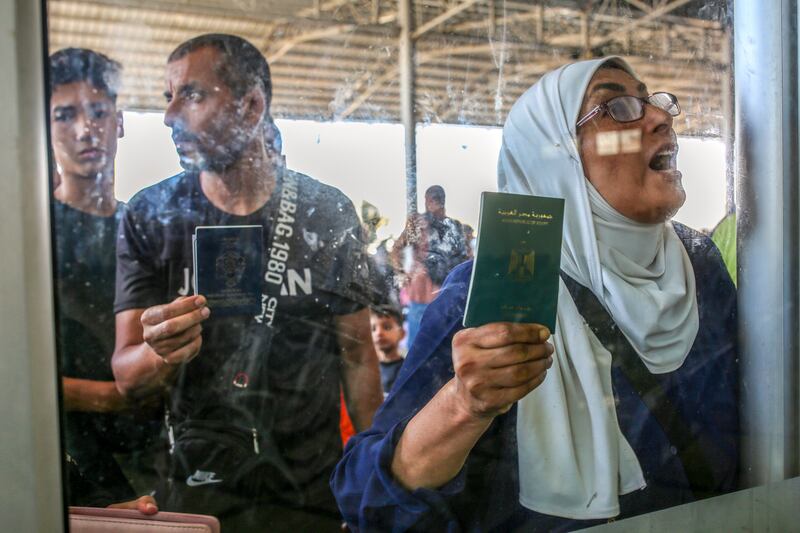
[84, 285]
[389, 373]
[85, 269]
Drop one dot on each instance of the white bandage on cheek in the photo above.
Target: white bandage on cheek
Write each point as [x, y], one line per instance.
[630, 141]
[607, 143]
[619, 142]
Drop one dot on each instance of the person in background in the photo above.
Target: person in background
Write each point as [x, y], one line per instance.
[629, 406]
[383, 289]
[387, 332]
[85, 125]
[470, 239]
[430, 246]
[253, 401]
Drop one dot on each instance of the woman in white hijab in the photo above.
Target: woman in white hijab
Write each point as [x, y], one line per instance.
[629, 406]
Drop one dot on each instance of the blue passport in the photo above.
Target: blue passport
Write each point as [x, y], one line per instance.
[228, 268]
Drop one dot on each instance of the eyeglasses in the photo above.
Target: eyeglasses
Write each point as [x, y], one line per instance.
[630, 108]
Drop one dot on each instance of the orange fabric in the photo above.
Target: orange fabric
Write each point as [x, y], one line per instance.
[346, 428]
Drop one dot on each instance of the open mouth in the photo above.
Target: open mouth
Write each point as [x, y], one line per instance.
[665, 159]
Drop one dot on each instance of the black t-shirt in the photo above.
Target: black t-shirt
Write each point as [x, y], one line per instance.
[389, 373]
[85, 269]
[289, 352]
[84, 286]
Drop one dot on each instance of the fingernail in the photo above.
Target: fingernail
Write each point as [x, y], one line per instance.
[204, 312]
[151, 507]
[544, 334]
[549, 362]
[200, 301]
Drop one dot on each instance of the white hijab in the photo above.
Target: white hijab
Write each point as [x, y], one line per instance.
[573, 459]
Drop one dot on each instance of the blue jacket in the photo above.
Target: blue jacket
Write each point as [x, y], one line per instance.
[484, 495]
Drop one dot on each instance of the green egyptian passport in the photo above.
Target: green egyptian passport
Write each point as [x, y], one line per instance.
[517, 260]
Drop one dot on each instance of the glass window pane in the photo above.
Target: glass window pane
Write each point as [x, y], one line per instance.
[269, 219]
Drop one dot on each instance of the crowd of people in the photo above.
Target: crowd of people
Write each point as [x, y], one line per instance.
[628, 406]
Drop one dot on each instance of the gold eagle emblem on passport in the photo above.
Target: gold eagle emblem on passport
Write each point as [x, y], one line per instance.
[521, 264]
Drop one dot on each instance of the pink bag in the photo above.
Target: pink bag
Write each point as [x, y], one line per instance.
[102, 520]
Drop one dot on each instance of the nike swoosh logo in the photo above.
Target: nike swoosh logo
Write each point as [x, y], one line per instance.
[202, 478]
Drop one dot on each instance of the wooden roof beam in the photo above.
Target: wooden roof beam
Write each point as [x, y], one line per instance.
[482, 48]
[287, 44]
[655, 13]
[319, 6]
[444, 17]
[562, 13]
[352, 66]
[389, 74]
[422, 58]
[154, 12]
[641, 6]
[448, 106]
[375, 16]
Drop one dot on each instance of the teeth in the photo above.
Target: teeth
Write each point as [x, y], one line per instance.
[662, 161]
[665, 159]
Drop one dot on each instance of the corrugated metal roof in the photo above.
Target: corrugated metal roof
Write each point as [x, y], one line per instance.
[336, 59]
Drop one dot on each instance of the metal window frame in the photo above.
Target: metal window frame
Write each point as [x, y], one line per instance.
[766, 166]
[766, 159]
[31, 496]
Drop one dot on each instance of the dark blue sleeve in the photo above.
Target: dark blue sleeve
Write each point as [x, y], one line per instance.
[368, 496]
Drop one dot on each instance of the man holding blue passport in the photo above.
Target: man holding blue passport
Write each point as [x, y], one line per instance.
[252, 394]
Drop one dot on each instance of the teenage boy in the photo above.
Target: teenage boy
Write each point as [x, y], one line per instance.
[85, 125]
[253, 410]
[387, 332]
